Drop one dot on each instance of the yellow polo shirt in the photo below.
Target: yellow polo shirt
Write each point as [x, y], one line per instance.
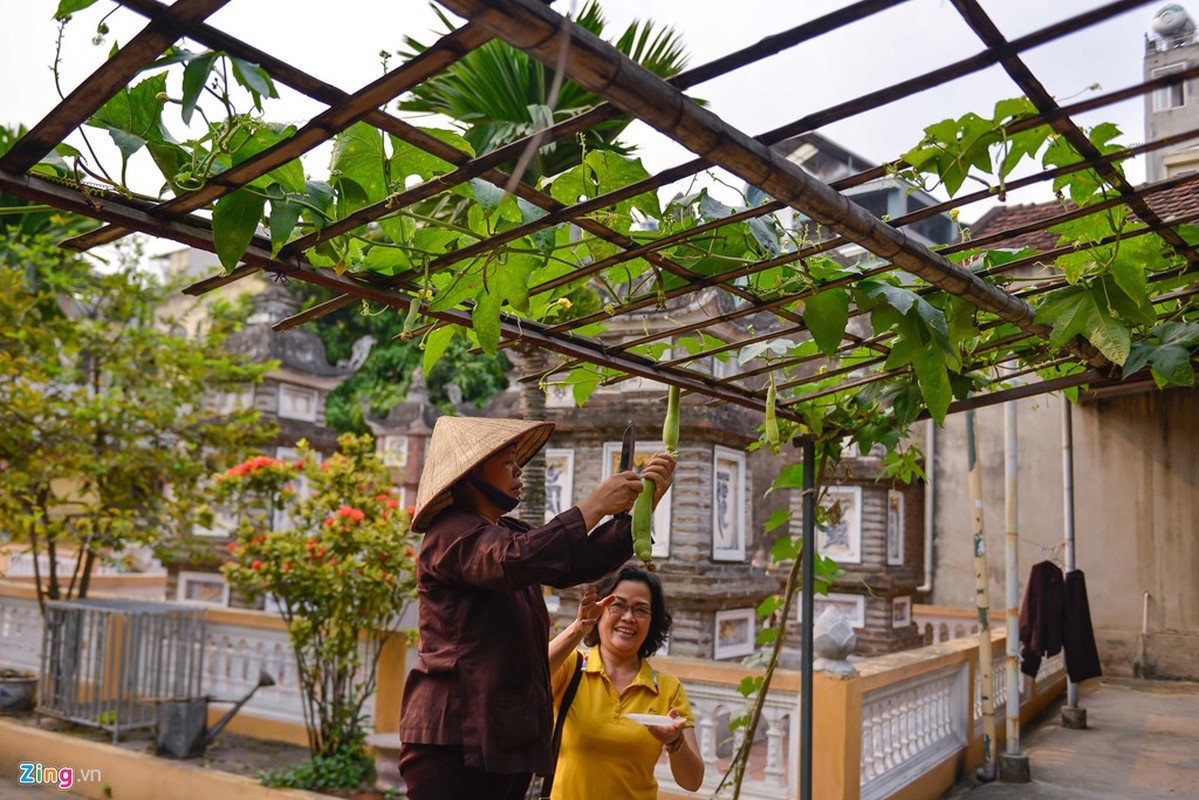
[604, 755]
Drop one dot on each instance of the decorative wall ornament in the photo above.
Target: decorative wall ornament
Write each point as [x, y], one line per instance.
[734, 635]
[852, 606]
[660, 526]
[559, 481]
[728, 505]
[207, 588]
[894, 527]
[901, 611]
[840, 537]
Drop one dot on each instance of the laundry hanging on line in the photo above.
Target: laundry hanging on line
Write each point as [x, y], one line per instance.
[1055, 614]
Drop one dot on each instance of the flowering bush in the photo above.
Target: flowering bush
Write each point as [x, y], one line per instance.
[330, 543]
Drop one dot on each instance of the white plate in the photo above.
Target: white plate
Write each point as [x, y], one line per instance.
[653, 719]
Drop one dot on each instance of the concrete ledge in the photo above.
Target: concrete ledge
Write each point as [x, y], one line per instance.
[130, 775]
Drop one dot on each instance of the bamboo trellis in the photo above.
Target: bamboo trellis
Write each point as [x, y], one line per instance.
[631, 91]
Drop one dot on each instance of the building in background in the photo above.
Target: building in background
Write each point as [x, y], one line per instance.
[1172, 46]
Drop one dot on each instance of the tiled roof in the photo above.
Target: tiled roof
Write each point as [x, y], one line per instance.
[1175, 202]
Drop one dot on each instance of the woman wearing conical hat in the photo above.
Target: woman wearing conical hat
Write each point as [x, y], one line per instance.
[475, 721]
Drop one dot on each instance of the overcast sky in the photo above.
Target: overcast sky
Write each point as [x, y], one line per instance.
[340, 42]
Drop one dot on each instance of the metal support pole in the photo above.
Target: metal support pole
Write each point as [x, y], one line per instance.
[1013, 765]
[987, 771]
[807, 595]
[1072, 715]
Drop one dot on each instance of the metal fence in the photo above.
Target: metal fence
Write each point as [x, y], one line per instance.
[106, 663]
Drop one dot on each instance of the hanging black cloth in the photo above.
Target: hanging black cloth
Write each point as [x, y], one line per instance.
[1042, 616]
[1078, 637]
[1056, 615]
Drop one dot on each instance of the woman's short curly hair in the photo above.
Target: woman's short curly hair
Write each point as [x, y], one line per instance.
[660, 619]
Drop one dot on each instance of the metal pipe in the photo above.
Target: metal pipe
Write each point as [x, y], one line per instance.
[806, 607]
[930, 503]
[1068, 514]
[987, 770]
[1145, 614]
[1012, 576]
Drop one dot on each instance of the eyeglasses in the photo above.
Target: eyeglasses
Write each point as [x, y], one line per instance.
[619, 607]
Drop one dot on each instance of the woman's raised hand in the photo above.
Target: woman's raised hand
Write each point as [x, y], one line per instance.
[590, 610]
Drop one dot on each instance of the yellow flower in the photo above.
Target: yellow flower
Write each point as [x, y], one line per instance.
[564, 302]
[954, 214]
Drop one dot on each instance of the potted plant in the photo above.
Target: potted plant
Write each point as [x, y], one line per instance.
[18, 689]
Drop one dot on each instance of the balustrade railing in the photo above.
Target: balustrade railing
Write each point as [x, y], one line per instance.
[910, 726]
[918, 708]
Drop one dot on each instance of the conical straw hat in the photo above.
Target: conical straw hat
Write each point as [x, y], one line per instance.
[458, 445]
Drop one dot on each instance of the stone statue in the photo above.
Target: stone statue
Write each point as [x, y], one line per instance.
[833, 639]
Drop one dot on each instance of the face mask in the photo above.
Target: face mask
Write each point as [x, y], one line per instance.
[504, 502]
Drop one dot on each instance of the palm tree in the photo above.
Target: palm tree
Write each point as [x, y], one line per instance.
[500, 94]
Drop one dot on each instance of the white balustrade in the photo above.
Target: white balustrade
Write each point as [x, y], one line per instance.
[21, 632]
[773, 776]
[233, 657]
[911, 726]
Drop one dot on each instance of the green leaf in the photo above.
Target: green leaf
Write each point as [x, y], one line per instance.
[195, 75]
[485, 319]
[780, 517]
[68, 7]
[784, 548]
[826, 315]
[358, 156]
[234, 220]
[254, 78]
[1172, 365]
[933, 376]
[408, 159]
[435, 344]
[284, 216]
[133, 116]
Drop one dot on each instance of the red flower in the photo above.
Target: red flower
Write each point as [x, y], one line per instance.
[229, 548]
[300, 464]
[287, 566]
[408, 551]
[393, 504]
[330, 522]
[310, 544]
[411, 510]
[333, 562]
[351, 513]
[383, 558]
[382, 498]
[256, 565]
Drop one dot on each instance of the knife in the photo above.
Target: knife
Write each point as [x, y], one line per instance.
[628, 447]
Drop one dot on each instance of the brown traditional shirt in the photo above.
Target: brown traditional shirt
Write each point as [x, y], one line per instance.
[482, 679]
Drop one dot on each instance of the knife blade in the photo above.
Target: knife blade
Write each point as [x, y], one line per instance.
[628, 446]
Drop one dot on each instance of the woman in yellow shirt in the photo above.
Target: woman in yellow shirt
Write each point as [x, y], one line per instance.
[603, 753]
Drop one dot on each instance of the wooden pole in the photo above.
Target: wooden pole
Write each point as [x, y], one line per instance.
[987, 771]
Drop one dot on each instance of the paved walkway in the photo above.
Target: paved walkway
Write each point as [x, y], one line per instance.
[1141, 743]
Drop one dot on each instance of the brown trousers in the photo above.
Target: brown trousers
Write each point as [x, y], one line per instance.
[438, 772]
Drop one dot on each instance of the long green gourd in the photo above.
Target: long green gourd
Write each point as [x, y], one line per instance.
[643, 509]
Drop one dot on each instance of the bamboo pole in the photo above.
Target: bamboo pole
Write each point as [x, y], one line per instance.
[1013, 765]
[1011, 552]
[987, 771]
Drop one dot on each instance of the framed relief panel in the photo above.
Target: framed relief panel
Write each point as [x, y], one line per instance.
[901, 611]
[894, 527]
[853, 606]
[207, 588]
[559, 481]
[840, 537]
[734, 634]
[660, 525]
[394, 450]
[728, 505]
